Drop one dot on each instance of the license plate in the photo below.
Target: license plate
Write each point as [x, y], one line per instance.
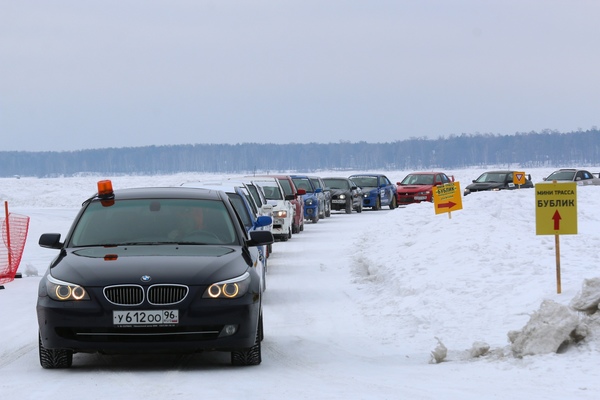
[338, 201]
[420, 197]
[146, 317]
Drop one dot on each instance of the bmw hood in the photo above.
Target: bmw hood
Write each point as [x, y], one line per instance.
[192, 265]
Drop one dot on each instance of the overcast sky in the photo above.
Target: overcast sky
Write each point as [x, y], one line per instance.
[127, 73]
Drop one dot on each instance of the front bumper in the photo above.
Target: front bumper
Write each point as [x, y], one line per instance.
[412, 198]
[87, 326]
[340, 205]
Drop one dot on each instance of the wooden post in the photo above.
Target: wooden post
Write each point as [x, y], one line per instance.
[557, 245]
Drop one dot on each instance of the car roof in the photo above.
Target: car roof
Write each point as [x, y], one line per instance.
[367, 175]
[427, 173]
[226, 187]
[177, 192]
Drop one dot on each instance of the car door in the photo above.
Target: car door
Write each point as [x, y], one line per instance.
[385, 190]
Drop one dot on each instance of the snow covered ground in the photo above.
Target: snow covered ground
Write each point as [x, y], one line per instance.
[386, 304]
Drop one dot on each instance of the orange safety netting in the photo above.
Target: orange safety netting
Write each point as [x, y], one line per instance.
[14, 235]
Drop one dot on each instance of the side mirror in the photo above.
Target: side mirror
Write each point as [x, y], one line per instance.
[300, 192]
[259, 238]
[398, 183]
[50, 241]
[319, 190]
[290, 197]
[263, 220]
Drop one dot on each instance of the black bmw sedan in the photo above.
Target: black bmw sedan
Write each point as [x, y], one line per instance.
[152, 270]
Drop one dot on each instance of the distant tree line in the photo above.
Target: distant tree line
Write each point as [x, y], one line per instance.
[548, 148]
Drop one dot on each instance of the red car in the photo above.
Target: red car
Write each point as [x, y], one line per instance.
[290, 190]
[417, 186]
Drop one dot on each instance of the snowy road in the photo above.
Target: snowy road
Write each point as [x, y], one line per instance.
[352, 310]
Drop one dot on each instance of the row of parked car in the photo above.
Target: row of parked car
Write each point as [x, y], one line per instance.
[184, 268]
[180, 268]
[418, 186]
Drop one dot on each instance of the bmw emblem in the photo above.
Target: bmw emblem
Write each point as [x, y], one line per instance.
[146, 278]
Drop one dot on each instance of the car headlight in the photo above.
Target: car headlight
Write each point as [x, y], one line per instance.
[229, 289]
[280, 214]
[65, 291]
[342, 197]
[309, 202]
[424, 193]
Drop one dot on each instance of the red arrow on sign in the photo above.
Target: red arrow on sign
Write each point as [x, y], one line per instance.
[556, 217]
[449, 204]
[519, 177]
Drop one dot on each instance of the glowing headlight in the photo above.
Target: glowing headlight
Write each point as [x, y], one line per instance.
[342, 197]
[309, 202]
[65, 291]
[280, 214]
[229, 289]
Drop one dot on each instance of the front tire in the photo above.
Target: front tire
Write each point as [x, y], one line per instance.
[251, 355]
[377, 205]
[54, 359]
[349, 207]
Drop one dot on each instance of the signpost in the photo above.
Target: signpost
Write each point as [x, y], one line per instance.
[519, 178]
[556, 214]
[447, 198]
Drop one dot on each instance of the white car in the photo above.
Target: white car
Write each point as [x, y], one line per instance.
[283, 209]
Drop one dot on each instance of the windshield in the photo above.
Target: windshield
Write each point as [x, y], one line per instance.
[271, 192]
[154, 221]
[303, 183]
[417, 179]
[562, 176]
[337, 184]
[286, 186]
[365, 181]
[490, 177]
[240, 206]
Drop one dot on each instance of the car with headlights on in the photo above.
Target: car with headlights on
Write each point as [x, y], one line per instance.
[345, 194]
[160, 269]
[283, 209]
[378, 191]
[579, 176]
[497, 180]
[313, 197]
[418, 186]
[294, 196]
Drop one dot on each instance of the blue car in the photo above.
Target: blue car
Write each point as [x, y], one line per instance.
[378, 190]
[314, 198]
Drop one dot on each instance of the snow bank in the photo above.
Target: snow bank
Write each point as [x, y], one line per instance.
[548, 329]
